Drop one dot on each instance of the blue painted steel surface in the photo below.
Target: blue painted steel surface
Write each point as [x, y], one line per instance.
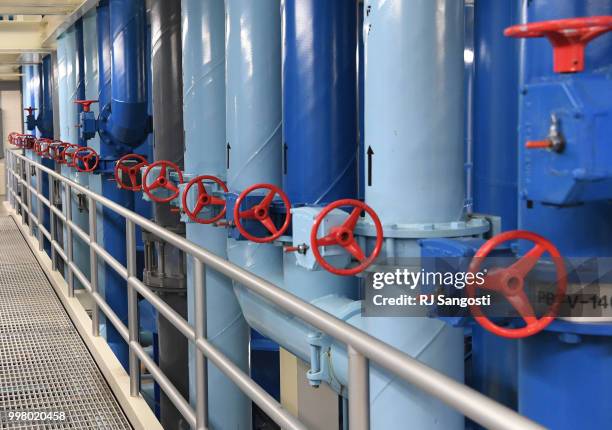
[566, 386]
[495, 111]
[570, 376]
[205, 150]
[319, 100]
[579, 230]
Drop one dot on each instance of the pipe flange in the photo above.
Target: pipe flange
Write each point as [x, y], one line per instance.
[470, 227]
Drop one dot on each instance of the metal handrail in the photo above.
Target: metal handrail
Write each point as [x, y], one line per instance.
[361, 347]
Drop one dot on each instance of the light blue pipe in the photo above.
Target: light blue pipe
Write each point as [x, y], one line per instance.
[414, 118]
[69, 88]
[90, 43]
[204, 109]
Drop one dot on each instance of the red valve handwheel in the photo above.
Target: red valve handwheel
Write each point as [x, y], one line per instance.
[41, 147]
[68, 155]
[261, 212]
[204, 199]
[86, 104]
[36, 147]
[12, 137]
[568, 37]
[344, 236]
[131, 169]
[86, 159]
[28, 141]
[162, 181]
[510, 281]
[56, 150]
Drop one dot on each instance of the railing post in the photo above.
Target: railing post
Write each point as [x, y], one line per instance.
[29, 195]
[52, 221]
[68, 195]
[39, 212]
[130, 240]
[93, 264]
[359, 391]
[199, 278]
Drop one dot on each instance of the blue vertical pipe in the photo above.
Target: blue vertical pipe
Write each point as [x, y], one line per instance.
[495, 111]
[45, 126]
[320, 111]
[414, 124]
[80, 72]
[414, 110]
[127, 120]
[115, 289]
[495, 169]
[319, 100]
[45, 115]
[572, 373]
[104, 55]
[204, 109]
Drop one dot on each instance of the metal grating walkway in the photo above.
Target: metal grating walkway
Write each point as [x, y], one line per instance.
[44, 364]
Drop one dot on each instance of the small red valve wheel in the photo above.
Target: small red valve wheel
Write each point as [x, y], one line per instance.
[68, 156]
[36, 147]
[30, 110]
[130, 164]
[568, 37]
[162, 181]
[86, 104]
[204, 199]
[43, 145]
[56, 151]
[344, 236]
[510, 281]
[12, 137]
[86, 159]
[261, 212]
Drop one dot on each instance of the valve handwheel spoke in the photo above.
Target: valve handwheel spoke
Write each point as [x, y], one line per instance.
[261, 213]
[86, 159]
[162, 181]
[510, 282]
[130, 164]
[204, 199]
[343, 236]
[569, 38]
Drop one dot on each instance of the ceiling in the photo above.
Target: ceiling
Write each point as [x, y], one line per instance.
[28, 29]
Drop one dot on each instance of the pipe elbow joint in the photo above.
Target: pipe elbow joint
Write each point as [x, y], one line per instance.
[125, 124]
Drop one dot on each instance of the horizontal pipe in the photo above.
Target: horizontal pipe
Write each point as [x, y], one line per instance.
[466, 400]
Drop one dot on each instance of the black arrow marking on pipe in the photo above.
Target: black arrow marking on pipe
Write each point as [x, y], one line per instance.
[285, 158]
[228, 148]
[370, 153]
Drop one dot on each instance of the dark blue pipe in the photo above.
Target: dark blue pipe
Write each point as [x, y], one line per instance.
[104, 55]
[113, 225]
[125, 120]
[320, 100]
[80, 73]
[44, 121]
[495, 111]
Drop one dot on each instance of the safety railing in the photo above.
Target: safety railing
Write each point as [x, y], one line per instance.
[362, 348]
